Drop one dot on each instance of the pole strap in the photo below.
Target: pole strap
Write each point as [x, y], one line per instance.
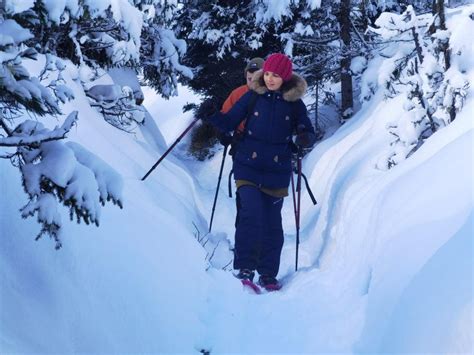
[309, 190]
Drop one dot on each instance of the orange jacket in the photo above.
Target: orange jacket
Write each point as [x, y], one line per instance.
[234, 96]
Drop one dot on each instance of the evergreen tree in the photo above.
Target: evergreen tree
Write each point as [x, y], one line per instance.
[221, 38]
[96, 34]
[346, 58]
[415, 65]
[161, 51]
[105, 34]
[53, 173]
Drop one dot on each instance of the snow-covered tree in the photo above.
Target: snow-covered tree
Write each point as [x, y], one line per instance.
[161, 51]
[413, 63]
[108, 33]
[221, 38]
[52, 172]
[95, 33]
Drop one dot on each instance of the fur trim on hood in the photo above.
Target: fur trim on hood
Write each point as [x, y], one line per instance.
[292, 90]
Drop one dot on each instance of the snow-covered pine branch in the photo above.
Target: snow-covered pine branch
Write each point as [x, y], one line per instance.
[117, 105]
[28, 135]
[58, 173]
[53, 173]
[162, 51]
[17, 89]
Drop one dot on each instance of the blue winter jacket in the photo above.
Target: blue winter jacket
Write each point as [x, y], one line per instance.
[263, 156]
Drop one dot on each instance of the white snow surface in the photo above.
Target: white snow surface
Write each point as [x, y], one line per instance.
[11, 29]
[385, 256]
[15, 6]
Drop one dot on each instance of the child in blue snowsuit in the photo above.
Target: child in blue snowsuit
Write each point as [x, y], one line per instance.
[262, 164]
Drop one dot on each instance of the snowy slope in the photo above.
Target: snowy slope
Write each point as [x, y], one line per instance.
[386, 256]
[123, 287]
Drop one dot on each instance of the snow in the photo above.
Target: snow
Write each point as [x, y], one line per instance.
[314, 4]
[31, 131]
[110, 183]
[171, 45]
[303, 30]
[15, 6]
[276, 10]
[385, 257]
[168, 113]
[273, 10]
[358, 64]
[55, 9]
[427, 292]
[127, 77]
[108, 93]
[10, 28]
[463, 50]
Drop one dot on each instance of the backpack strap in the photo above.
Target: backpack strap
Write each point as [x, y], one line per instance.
[239, 134]
[250, 107]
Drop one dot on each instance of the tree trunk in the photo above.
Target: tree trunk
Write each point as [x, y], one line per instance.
[316, 106]
[419, 50]
[442, 16]
[442, 25]
[346, 77]
[365, 17]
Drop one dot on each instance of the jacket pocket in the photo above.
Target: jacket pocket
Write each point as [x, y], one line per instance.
[278, 158]
[250, 153]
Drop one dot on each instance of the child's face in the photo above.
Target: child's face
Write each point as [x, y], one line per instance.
[250, 77]
[272, 80]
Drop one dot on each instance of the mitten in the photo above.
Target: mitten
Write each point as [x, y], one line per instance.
[225, 139]
[304, 139]
[207, 109]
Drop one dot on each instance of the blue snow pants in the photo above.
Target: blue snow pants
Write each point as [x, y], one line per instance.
[259, 231]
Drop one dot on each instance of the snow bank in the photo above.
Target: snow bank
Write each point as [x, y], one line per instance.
[132, 285]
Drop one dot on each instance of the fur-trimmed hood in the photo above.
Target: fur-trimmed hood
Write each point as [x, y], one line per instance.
[292, 90]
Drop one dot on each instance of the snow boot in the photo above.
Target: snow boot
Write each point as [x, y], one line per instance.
[245, 274]
[246, 277]
[269, 283]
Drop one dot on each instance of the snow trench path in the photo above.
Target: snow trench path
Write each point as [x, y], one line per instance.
[351, 276]
[306, 316]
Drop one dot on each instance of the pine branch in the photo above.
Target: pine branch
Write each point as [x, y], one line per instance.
[37, 139]
[5, 127]
[358, 34]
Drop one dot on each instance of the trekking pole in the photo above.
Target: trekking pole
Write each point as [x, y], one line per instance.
[296, 218]
[218, 185]
[298, 203]
[171, 148]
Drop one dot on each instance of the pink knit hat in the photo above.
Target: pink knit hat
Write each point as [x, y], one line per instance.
[279, 64]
